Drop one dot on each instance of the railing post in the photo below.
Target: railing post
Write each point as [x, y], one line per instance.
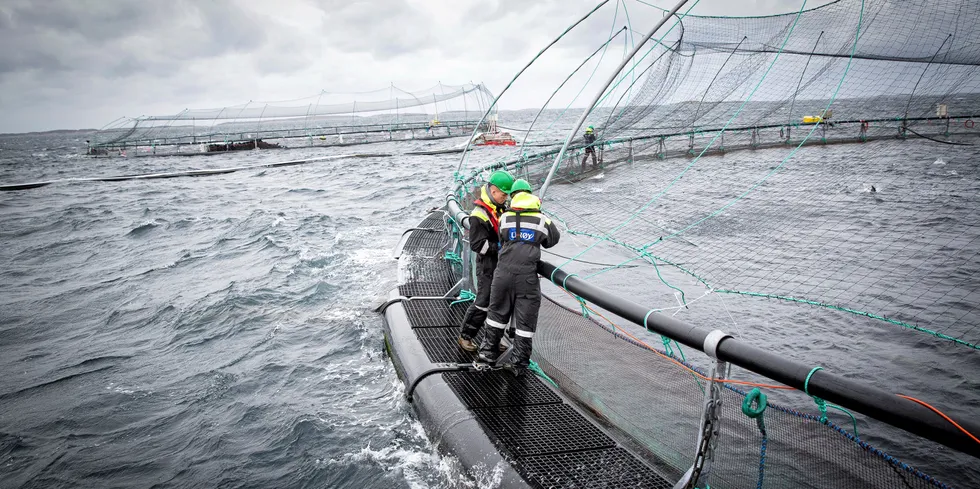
[699, 472]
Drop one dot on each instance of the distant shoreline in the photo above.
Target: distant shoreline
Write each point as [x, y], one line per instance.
[56, 131]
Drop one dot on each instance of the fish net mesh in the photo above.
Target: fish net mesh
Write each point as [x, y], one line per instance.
[777, 169]
[658, 403]
[827, 100]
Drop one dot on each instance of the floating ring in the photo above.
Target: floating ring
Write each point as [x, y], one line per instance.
[968, 123]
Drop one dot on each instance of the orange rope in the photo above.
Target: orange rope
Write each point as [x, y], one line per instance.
[947, 418]
[679, 364]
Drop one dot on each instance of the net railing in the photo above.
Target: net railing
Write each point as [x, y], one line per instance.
[325, 119]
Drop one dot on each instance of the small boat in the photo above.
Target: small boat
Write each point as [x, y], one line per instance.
[242, 146]
[494, 139]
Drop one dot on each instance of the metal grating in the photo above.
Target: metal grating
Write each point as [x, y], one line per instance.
[433, 220]
[445, 350]
[437, 270]
[498, 388]
[434, 314]
[611, 468]
[445, 333]
[540, 429]
[425, 242]
[423, 289]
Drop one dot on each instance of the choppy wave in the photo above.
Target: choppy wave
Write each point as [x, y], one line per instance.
[217, 329]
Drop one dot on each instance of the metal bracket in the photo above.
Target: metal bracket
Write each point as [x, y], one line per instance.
[710, 427]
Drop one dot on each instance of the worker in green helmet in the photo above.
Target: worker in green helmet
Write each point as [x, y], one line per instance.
[516, 290]
[484, 228]
[520, 185]
[589, 147]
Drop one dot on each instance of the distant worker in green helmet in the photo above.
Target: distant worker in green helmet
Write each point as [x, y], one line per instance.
[589, 147]
[484, 241]
[516, 290]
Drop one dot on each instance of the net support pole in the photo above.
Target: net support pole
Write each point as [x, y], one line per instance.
[864, 398]
[569, 77]
[598, 95]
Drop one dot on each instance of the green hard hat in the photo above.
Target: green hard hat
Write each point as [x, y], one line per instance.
[520, 185]
[501, 180]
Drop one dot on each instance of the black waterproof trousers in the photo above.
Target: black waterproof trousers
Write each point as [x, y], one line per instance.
[589, 151]
[476, 314]
[517, 295]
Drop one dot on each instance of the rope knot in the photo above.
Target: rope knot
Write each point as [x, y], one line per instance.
[465, 295]
[585, 309]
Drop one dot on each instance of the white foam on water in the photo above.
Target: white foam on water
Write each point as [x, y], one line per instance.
[369, 256]
[939, 161]
[421, 465]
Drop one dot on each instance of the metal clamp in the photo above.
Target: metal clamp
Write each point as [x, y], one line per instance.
[712, 341]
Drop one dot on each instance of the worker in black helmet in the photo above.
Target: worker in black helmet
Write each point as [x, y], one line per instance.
[516, 291]
[484, 241]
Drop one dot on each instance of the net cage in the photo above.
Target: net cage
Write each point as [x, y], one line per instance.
[806, 182]
[325, 119]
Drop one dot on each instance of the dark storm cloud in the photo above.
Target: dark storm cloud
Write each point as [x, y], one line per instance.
[121, 38]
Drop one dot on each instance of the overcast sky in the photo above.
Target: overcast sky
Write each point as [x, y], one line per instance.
[68, 64]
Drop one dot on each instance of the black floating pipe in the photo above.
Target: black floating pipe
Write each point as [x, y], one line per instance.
[870, 401]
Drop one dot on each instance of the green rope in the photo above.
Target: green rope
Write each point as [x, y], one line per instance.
[753, 406]
[581, 302]
[662, 279]
[534, 367]
[666, 340]
[453, 257]
[822, 405]
[465, 295]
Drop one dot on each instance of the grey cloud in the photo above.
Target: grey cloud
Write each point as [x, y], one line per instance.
[97, 21]
[383, 30]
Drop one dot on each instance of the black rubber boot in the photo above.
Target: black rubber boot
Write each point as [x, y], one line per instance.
[522, 352]
[489, 349]
[472, 321]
